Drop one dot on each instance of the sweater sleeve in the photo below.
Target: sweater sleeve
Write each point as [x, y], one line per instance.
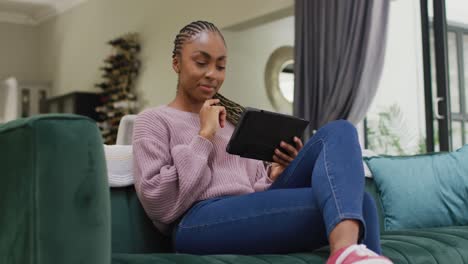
[262, 181]
[168, 181]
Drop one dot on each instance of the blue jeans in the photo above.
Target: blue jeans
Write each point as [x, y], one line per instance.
[321, 187]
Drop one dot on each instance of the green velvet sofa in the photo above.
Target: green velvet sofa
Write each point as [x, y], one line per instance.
[55, 208]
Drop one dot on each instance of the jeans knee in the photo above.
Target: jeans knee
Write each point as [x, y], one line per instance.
[338, 127]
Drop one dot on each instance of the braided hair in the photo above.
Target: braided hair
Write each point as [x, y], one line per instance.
[233, 110]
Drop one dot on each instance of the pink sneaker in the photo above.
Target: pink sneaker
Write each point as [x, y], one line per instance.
[357, 254]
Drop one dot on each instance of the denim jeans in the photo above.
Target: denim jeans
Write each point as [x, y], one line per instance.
[321, 187]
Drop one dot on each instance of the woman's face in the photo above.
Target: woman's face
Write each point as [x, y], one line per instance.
[201, 66]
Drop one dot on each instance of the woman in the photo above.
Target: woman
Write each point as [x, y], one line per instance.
[217, 203]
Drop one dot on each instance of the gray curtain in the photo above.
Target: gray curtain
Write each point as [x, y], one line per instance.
[339, 47]
[373, 62]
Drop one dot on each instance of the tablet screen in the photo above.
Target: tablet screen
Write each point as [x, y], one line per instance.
[259, 132]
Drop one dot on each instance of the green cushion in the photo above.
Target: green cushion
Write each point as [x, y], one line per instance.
[54, 197]
[297, 258]
[427, 246]
[132, 230]
[423, 191]
[422, 246]
[133, 234]
[135, 240]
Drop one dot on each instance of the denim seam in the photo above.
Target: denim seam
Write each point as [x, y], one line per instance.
[332, 186]
[227, 220]
[302, 157]
[339, 218]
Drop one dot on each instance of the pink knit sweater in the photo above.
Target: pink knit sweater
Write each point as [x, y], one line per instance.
[175, 167]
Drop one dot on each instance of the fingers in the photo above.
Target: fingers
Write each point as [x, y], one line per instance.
[298, 142]
[282, 156]
[280, 161]
[211, 102]
[290, 149]
[222, 116]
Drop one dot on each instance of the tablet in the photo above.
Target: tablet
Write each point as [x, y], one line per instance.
[259, 132]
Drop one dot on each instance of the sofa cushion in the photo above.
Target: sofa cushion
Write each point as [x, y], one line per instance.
[318, 257]
[424, 190]
[132, 230]
[419, 246]
[428, 246]
[54, 196]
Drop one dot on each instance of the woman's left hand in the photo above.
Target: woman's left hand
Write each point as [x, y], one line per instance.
[282, 160]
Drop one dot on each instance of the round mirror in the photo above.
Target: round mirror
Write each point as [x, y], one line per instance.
[286, 80]
[279, 79]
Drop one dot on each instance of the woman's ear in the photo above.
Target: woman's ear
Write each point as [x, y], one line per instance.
[176, 64]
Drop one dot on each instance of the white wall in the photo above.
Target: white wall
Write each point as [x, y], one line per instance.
[73, 45]
[248, 53]
[71, 48]
[18, 52]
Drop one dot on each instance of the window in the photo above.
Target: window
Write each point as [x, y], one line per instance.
[395, 121]
[457, 38]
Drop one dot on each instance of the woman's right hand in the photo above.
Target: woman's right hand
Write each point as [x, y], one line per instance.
[211, 118]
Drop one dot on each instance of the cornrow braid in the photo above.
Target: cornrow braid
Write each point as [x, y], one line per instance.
[233, 109]
[190, 31]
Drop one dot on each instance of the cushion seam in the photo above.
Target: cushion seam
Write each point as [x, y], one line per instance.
[299, 258]
[434, 241]
[130, 216]
[217, 258]
[399, 252]
[211, 258]
[35, 196]
[419, 246]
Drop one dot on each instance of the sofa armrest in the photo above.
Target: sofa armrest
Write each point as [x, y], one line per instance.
[125, 131]
[54, 194]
